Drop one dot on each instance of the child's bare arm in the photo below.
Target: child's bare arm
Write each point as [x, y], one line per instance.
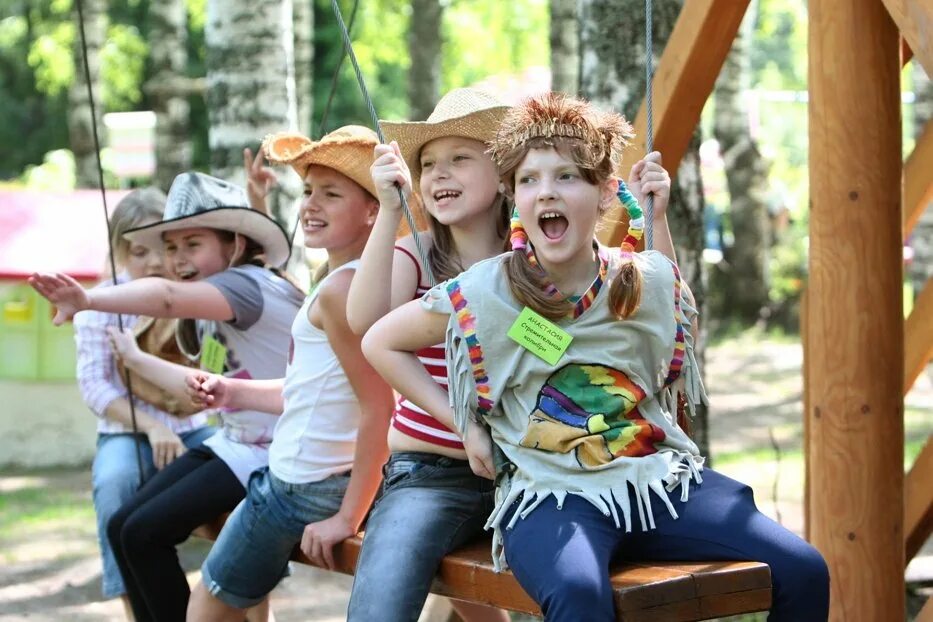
[376, 403]
[155, 297]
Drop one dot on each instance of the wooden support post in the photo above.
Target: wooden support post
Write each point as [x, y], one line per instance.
[918, 179]
[684, 78]
[918, 336]
[914, 18]
[855, 318]
[918, 502]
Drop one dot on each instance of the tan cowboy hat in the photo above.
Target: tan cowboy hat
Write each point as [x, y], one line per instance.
[348, 150]
[199, 200]
[467, 112]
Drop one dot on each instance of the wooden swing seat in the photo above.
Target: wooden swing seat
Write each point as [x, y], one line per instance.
[669, 591]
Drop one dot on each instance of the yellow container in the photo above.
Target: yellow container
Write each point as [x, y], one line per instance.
[19, 331]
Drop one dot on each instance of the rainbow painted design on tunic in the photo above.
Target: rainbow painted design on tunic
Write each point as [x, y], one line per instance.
[680, 346]
[467, 322]
[592, 411]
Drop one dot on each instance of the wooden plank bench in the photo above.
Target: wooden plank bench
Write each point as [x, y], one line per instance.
[670, 591]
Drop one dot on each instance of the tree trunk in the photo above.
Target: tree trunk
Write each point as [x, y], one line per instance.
[921, 240]
[612, 74]
[565, 47]
[251, 88]
[304, 63]
[80, 128]
[744, 274]
[424, 47]
[169, 58]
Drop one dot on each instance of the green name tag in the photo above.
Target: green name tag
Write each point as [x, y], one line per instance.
[213, 355]
[540, 336]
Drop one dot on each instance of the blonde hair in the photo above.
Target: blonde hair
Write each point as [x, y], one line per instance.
[443, 256]
[593, 141]
[140, 207]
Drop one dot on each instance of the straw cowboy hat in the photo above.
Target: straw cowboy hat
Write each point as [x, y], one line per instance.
[347, 150]
[199, 200]
[467, 112]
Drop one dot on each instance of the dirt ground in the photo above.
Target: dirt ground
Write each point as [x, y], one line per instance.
[50, 568]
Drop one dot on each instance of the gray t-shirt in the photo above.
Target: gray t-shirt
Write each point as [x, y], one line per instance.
[257, 342]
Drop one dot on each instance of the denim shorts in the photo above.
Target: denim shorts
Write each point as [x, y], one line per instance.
[251, 554]
[430, 505]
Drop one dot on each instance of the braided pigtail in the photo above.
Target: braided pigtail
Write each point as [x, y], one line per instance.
[625, 290]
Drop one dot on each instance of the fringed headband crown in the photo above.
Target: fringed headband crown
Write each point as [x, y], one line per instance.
[601, 134]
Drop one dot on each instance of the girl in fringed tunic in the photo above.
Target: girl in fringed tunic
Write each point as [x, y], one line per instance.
[574, 360]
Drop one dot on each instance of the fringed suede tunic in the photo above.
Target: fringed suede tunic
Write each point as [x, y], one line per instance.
[601, 420]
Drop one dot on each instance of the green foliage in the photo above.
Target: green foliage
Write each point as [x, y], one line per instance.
[55, 174]
[779, 45]
[474, 50]
[50, 58]
[122, 61]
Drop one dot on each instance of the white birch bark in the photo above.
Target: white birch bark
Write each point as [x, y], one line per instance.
[251, 88]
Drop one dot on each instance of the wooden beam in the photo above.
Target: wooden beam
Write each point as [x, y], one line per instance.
[684, 78]
[914, 18]
[855, 321]
[926, 614]
[918, 179]
[918, 502]
[918, 336]
[906, 53]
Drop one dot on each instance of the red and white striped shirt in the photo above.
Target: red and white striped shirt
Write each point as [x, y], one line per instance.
[408, 418]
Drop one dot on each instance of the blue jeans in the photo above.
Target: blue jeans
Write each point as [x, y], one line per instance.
[115, 478]
[561, 557]
[430, 505]
[252, 552]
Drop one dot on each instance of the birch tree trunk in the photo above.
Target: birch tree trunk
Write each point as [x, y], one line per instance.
[612, 74]
[303, 21]
[424, 47]
[251, 89]
[565, 47]
[744, 274]
[80, 128]
[169, 57]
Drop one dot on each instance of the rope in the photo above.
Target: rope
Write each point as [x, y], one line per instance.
[330, 100]
[649, 124]
[103, 195]
[425, 265]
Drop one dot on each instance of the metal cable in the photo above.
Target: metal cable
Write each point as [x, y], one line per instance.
[425, 265]
[330, 100]
[649, 123]
[113, 264]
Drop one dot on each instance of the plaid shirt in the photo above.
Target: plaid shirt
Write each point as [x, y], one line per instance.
[98, 380]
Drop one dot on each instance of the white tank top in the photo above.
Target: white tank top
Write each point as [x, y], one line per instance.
[316, 435]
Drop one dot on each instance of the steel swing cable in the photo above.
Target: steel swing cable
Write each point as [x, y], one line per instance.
[649, 120]
[113, 265]
[425, 265]
[327, 105]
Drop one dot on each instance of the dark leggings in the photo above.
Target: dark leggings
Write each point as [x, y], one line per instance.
[562, 557]
[194, 489]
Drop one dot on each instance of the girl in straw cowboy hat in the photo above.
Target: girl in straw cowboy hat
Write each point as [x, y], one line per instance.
[431, 501]
[239, 313]
[334, 407]
[429, 486]
[165, 431]
[578, 358]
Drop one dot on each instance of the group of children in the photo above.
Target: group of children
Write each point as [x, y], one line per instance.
[539, 382]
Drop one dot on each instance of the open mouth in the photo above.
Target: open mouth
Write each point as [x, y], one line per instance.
[313, 225]
[553, 225]
[445, 196]
[187, 275]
